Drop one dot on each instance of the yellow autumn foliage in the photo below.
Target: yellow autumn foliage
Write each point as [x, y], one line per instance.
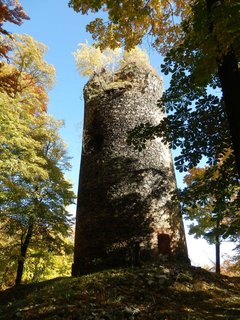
[90, 59]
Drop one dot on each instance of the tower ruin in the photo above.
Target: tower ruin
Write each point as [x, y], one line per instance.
[125, 207]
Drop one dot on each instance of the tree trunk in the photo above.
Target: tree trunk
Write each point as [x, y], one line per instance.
[21, 260]
[218, 265]
[217, 246]
[230, 82]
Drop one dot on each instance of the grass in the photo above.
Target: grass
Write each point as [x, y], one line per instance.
[156, 292]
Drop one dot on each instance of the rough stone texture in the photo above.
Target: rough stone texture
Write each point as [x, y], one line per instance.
[125, 211]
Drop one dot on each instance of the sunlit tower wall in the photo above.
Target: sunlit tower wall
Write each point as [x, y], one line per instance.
[125, 209]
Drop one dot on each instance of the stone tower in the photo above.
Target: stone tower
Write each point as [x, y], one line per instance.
[125, 208]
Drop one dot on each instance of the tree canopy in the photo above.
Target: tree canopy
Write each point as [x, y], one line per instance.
[34, 192]
[10, 11]
[23, 105]
[34, 210]
[211, 202]
[129, 21]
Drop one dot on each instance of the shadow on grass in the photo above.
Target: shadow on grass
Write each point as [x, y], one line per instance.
[150, 292]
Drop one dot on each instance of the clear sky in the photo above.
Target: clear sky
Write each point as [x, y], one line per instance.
[56, 25]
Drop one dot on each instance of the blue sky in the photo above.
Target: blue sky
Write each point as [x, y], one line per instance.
[61, 29]
[56, 25]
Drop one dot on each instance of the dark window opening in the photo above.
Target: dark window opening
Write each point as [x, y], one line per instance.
[98, 142]
[164, 244]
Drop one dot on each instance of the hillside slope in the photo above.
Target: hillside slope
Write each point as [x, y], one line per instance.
[150, 292]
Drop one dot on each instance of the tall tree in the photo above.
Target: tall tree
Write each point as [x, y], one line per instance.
[212, 40]
[34, 193]
[207, 30]
[34, 209]
[210, 200]
[223, 23]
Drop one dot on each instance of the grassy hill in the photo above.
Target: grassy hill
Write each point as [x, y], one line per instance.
[150, 292]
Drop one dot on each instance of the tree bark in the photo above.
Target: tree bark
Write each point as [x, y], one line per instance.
[218, 265]
[24, 248]
[230, 82]
[217, 246]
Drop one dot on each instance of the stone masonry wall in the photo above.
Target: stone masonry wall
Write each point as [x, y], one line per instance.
[125, 206]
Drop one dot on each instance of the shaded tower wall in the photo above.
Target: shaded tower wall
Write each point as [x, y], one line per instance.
[125, 207]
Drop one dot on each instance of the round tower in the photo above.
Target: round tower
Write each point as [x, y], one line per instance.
[126, 210]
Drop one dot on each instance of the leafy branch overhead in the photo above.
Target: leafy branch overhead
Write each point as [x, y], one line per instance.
[10, 11]
[129, 21]
[196, 123]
